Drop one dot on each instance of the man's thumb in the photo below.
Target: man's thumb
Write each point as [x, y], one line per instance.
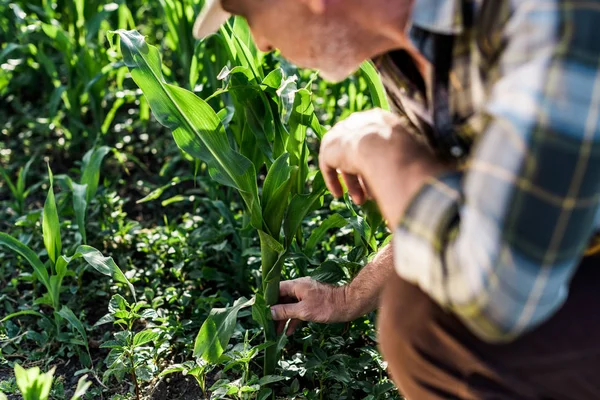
[283, 312]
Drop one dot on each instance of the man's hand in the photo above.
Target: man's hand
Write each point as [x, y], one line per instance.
[376, 157]
[305, 299]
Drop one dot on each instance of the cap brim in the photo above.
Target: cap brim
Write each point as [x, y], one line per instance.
[210, 19]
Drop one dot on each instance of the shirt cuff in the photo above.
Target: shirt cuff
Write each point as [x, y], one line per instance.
[422, 234]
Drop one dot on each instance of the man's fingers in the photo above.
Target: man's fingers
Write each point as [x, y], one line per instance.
[332, 181]
[283, 312]
[355, 189]
[291, 290]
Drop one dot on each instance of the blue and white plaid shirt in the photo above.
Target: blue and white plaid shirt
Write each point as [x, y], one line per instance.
[498, 242]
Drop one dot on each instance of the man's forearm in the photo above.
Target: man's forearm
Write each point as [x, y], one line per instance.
[364, 291]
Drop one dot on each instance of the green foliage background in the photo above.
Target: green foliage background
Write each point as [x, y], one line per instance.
[184, 242]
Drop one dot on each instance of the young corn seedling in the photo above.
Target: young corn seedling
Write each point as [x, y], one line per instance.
[35, 385]
[52, 273]
[18, 189]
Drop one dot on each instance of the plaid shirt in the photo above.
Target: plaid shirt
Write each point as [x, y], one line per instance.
[498, 242]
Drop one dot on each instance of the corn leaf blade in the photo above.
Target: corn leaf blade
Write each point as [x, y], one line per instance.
[104, 265]
[196, 127]
[50, 224]
[29, 255]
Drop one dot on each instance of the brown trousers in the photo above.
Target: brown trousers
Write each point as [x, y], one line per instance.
[431, 355]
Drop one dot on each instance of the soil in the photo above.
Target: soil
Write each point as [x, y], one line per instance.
[177, 387]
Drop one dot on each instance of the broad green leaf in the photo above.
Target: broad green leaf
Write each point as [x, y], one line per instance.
[249, 98]
[300, 206]
[376, 89]
[104, 265]
[334, 221]
[264, 394]
[68, 314]
[330, 272]
[50, 223]
[268, 379]
[276, 193]
[196, 127]
[302, 117]
[143, 337]
[33, 384]
[90, 172]
[216, 331]
[29, 255]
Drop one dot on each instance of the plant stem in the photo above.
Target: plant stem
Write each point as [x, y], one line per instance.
[133, 376]
[271, 275]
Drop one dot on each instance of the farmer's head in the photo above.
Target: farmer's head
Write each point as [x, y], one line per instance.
[333, 36]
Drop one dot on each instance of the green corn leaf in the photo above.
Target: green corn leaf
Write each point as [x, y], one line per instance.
[302, 117]
[24, 312]
[22, 178]
[275, 194]
[249, 97]
[216, 331]
[300, 206]
[50, 223]
[196, 127]
[334, 221]
[376, 89]
[270, 242]
[68, 314]
[29, 255]
[104, 265]
[90, 172]
[241, 38]
[33, 384]
[79, 207]
[241, 29]
[9, 182]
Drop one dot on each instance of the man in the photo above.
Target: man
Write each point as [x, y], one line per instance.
[488, 173]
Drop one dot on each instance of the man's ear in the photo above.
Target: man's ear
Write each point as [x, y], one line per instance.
[316, 6]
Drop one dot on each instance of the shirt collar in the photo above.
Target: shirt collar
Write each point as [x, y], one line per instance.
[439, 16]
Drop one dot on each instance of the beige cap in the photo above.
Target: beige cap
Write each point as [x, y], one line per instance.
[210, 19]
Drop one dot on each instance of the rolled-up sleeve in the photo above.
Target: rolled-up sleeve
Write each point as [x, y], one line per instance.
[498, 243]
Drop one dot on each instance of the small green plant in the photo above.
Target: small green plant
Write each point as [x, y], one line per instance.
[35, 385]
[19, 189]
[131, 354]
[52, 273]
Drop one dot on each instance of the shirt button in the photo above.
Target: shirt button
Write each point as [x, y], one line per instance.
[456, 151]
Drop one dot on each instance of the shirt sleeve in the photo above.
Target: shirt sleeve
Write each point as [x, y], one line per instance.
[498, 243]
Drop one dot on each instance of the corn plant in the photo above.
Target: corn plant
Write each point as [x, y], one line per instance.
[65, 48]
[18, 189]
[263, 125]
[35, 385]
[52, 273]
